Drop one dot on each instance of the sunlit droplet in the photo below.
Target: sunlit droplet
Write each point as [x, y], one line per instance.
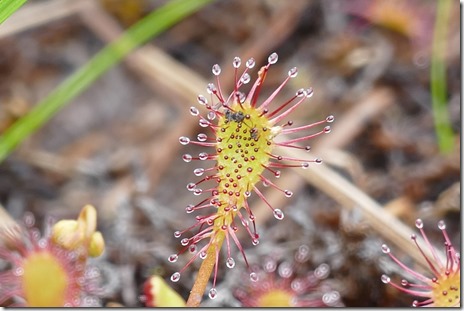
[187, 157]
[250, 63]
[278, 214]
[385, 279]
[212, 293]
[237, 62]
[292, 73]
[245, 78]
[184, 140]
[385, 249]
[194, 111]
[230, 262]
[216, 70]
[175, 277]
[419, 223]
[273, 58]
[254, 277]
[202, 100]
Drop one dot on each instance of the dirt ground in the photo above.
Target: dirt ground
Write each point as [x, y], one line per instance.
[116, 145]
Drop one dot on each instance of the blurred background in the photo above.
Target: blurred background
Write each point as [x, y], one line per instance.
[115, 145]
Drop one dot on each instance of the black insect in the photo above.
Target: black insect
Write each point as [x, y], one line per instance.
[254, 133]
[234, 116]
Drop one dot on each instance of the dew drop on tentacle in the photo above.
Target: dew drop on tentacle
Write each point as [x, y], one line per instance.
[441, 225]
[278, 214]
[216, 70]
[203, 156]
[197, 191]
[419, 223]
[269, 265]
[309, 92]
[202, 100]
[184, 241]
[211, 88]
[237, 62]
[177, 234]
[189, 209]
[29, 219]
[198, 171]
[173, 258]
[241, 97]
[330, 119]
[250, 63]
[254, 277]
[305, 165]
[273, 58]
[187, 157]
[288, 193]
[19, 271]
[318, 161]
[230, 262]
[191, 186]
[184, 140]
[331, 298]
[322, 271]
[194, 111]
[211, 115]
[385, 249]
[385, 278]
[292, 73]
[327, 129]
[203, 123]
[285, 270]
[212, 293]
[43, 243]
[175, 277]
[202, 137]
[245, 78]
[302, 254]
[300, 93]
[203, 255]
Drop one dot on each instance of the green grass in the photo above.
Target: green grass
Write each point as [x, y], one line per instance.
[443, 130]
[8, 7]
[150, 26]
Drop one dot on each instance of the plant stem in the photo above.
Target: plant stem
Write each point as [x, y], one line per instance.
[204, 274]
[443, 128]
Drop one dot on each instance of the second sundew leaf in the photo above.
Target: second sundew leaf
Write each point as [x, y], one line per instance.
[244, 131]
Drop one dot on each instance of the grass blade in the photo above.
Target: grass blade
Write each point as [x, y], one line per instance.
[8, 7]
[443, 128]
[138, 34]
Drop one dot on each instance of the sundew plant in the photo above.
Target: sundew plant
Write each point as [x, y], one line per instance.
[244, 130]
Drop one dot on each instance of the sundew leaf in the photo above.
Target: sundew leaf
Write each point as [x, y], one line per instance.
[150, 26]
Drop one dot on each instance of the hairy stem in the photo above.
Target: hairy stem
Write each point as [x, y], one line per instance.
[204, 274]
